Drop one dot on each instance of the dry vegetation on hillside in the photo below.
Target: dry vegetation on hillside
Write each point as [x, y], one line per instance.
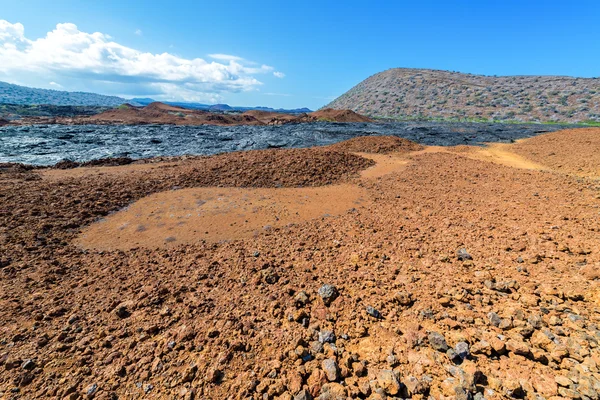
[420, 93]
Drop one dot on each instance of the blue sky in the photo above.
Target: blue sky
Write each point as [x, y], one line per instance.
[285, 54]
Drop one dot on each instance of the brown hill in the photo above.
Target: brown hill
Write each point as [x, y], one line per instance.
[160, 113]
[271, 118]
[376, 144]
[164, 107]
[422, 93]
[329, 114]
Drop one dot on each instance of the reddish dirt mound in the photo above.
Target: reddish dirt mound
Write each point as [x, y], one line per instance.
[272, 118]
[575, 151]
[376, 144]
[164, 107]
[159, 113]
[329, 114]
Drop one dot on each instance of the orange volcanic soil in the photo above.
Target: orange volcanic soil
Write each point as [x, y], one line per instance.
[374, 268]
[329, 114]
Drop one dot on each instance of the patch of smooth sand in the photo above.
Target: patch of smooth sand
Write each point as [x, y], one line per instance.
[385, 164]
[498, 153]
[215, 214]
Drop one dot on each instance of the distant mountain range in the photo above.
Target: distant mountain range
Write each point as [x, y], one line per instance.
[221, 107]
[22, 95]
[403, 93]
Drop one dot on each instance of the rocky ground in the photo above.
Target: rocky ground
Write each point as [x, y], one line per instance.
[457, 278]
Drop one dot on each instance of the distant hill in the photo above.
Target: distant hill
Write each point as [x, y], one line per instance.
[222, 107]
[21, 95]
[421, 93]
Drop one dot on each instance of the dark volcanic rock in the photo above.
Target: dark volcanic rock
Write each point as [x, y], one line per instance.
[46, 144]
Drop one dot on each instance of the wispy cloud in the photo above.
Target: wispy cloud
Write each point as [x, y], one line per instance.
[225, 57]
[139, 32]
[279, 74]
[66, 53]
[56, 85]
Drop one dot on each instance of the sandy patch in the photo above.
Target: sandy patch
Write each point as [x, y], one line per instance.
[216, 214]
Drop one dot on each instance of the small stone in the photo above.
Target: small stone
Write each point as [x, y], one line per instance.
[463, 255]
[316, 347]
[333, 391]
[482, 347]
[91, 390]
[415, 386]
[568, 393]
[479, 396]
[148, 388]
[28, 365]
[303, 395]
[404, 298]
[505, 324]
[498, 345]
[453, 356]
[359, 369]
[512, 388]
[438, 342]
[331, 369]
[301, 298]
[122, 311]
[326, 337]
[214, 375]
[462, 349]
[389, 382]
[461, 393]
[494, 319]
[328, 293]
[535, 321]
[563, 381]
[373, 312]
[392, 360]
[518, 347]
[190, 373]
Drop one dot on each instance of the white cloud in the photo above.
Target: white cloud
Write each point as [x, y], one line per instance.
[67, 54]
[54, 84]
[225, 57]
[139, 32]
[279, 74]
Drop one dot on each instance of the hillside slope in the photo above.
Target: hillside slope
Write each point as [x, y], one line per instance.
[420, 93]
[15, 94]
